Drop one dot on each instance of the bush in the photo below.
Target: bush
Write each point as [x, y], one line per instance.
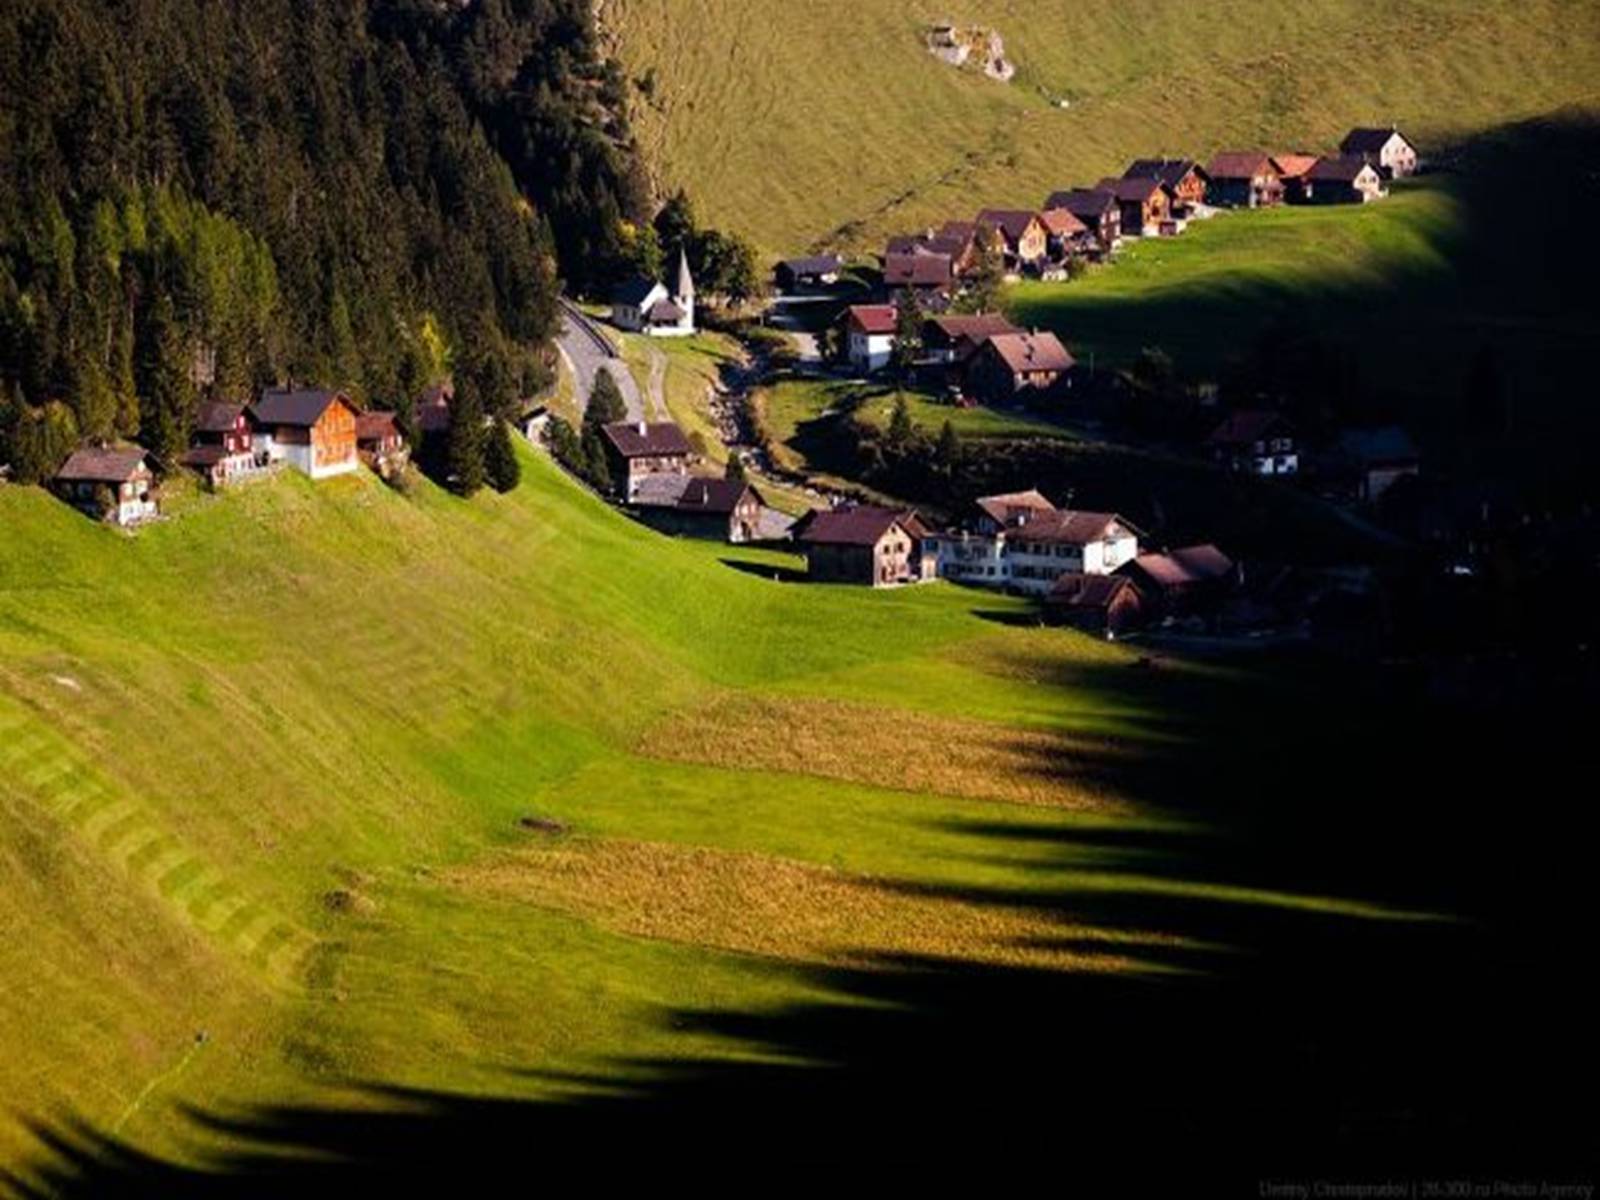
[500, 463]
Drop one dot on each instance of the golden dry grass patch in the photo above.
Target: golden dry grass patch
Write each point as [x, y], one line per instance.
[778, 908]
[892, 748]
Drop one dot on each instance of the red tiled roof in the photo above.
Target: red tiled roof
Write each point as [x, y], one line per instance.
[975, 326]
[917, 270]
[1240, 164]
[1292, 166]
[873, 318]
[640, 440]
[1004, 509]
[375, 425]
[1060, 222]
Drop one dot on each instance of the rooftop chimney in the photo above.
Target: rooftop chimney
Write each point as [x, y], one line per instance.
[644, 429]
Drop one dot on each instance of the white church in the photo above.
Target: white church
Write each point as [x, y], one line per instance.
[645, 306]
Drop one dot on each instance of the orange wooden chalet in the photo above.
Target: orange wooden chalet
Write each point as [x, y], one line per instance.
[312, 431]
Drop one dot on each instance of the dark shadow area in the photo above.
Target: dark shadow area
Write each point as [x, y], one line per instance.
[768, 571]
[1352, 932]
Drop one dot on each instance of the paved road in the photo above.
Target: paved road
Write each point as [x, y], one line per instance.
[585, 347]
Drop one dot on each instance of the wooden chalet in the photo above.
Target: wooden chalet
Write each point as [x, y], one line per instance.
[1023, 234]
[1346, 180]
[314, 431]
[1184, 180]
[924, 273]
[109, 483]
[861, 543]
[1255, 442]
[1292, 169]
[637, 450]
[1387, 149]
[1067, 236]
[956, 338]
[1182, 582]
[726, 509]
[222, 447]
[811, 272]
[1108, 605]
[1099, 211]
[1244, 179]
[1146, 207]
[379, 441]
[1018, 368]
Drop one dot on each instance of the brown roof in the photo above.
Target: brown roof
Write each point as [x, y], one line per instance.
[855, 525]
[1138, 189]
[665, 311]
[873, 318]
[1339, 170]
[1059, 222]
[1005, 509]
[279, 406]
[639, 440]
[1031, 352]
[375, 425]
[1292, 166]
[917, 270]
[103, 464]
[979, 326]
[1076, 590]
[1240, 164]
[1246, 426]
[1083, 203]
[1072, 528]
[1013, 222]
[217, 416]
[1191, 564]
[1169, 172]
[204, 456]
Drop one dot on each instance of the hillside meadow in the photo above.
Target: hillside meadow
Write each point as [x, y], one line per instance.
[837, 128]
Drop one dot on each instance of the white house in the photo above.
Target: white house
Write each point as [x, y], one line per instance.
[869, 336]
[646, 306]
[1388, 149]
[1022, 542]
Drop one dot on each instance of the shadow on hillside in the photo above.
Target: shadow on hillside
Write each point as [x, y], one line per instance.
[1352, 946]
[772, 572]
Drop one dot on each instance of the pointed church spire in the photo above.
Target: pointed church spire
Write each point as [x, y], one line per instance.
[685, 288]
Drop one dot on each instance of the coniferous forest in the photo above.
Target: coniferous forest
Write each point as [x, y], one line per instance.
[204, 196]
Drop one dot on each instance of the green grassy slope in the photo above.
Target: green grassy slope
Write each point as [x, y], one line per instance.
[836, 126]
[241, 748]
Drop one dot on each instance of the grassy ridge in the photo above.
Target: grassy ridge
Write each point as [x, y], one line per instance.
[839, 127]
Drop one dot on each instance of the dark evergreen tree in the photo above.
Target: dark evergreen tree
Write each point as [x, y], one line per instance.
[947, 451]
[736, 470]
[606, 405]
[465, 449]
[168, 395]
[901, 430]
[500, 464]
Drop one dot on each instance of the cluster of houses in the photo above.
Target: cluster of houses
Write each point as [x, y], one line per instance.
[1086, 568]
[1154, 197]
[317, 432]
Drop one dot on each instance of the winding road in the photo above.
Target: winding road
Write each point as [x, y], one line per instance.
[588, 348]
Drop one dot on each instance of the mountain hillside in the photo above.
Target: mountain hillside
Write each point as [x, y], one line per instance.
[838, 126]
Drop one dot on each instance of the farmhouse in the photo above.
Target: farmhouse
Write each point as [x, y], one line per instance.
[1387, 149]
[1342, 181]
[222, 446]
[1099, 211]
[726, 509]
[1255, 442]
[1244, 179]
[1018, 368]
[923, 273]
[869, 336]
[379, 441]
[1067, 237]
[1292, 168]
[1023, 233]
[1144, 202]
[313, 431]
[1184, 179]
[861, 543]
[1049, 545]
[1183, 581]
[109, 483]
[646, 306]
[1104, 604]
[637, 450]
[816, 271]
[954, 339]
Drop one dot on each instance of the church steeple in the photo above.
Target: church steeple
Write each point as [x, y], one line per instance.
[684, 292]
